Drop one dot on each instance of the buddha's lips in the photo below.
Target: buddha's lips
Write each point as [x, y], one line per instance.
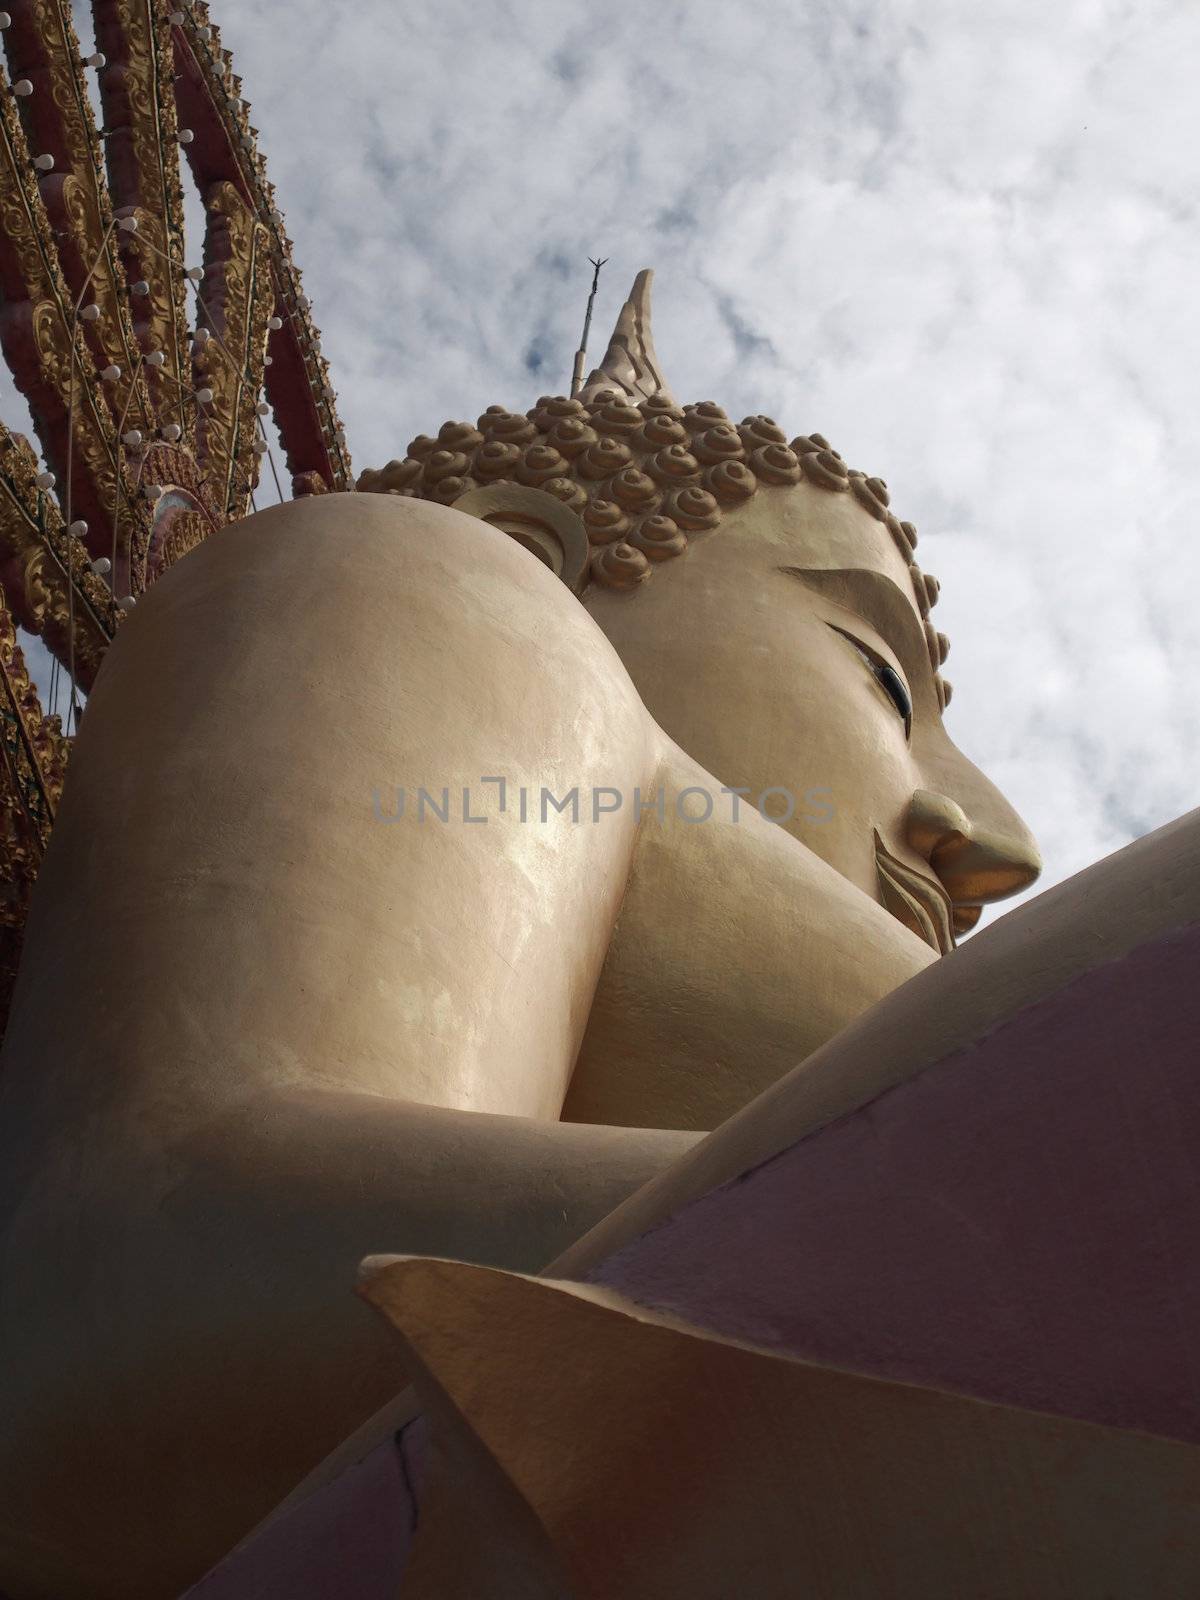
[916, 900]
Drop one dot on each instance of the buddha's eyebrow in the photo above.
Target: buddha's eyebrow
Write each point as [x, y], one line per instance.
[879, 602]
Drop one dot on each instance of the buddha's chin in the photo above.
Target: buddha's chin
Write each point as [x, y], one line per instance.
[915, 899]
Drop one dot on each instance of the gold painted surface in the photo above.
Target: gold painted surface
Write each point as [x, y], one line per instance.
[203, 39]
[31, 779]
[142, 152]
[184, 531]
[238, 299]
[147, 499]
[408, 1009]
[39, 549]
[37, 324]
[612, 1450]
[647, 475]
[345, 1029]
[75, 192]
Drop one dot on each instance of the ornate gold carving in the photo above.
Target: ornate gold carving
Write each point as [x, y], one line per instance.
[306, 483]
[603, 458]
[497, 459]
[552, 409]
[871, 494]
[43, 46]
[33, 757]
[459, 436]
[605, 522]
[102, 231]
[904, 536]
[722, 443]
[497, 424]
[730, 482]
[759, 430]
[643, 477]
[693, 508]
[775, 463]
[634, 489]
[441, 464]
[573, 495]
[447, 490]
[630, 362]
[698, 444]
[142, 150]
[620, 566]
[398, 477]
[571, 436]
[617, 418]
[658, 537]
[674, 466]
[299, 385]
[238, 298]
[35, 329]
[539, 463]
[659, 430]
[826, 469]
[177, 531]
[38, 554]
[703, 415]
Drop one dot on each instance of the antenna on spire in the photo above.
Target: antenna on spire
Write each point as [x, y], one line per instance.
[581, 353]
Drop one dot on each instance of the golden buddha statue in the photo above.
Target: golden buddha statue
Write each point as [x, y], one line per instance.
[476, 865]
[470, 1017]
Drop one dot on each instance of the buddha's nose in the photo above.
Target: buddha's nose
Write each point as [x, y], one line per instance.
[977, 859]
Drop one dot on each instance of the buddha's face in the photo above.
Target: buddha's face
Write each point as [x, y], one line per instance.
[785, 651]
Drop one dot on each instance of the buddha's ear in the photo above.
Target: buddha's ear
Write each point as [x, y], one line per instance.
[630, 365]
[539, 522]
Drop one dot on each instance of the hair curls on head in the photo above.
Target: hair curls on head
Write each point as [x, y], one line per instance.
[643, 478]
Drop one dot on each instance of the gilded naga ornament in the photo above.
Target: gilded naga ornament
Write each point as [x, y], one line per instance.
[144, 375]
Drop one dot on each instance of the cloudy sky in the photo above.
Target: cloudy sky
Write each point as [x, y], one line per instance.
[961, 241]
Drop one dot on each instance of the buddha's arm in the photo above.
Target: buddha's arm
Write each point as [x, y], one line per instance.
[738, 952]
[184, 1355]
[234, 888]
[233, 904]
[261, 1031]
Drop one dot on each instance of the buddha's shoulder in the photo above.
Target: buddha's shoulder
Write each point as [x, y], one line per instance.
[389, 543]
[396, 595]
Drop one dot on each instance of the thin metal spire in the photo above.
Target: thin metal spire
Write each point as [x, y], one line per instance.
[581, 353]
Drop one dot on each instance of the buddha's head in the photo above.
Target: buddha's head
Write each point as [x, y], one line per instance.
[769, 608]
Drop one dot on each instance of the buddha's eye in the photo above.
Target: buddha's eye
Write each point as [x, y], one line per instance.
[889, 680]
[894, 684]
